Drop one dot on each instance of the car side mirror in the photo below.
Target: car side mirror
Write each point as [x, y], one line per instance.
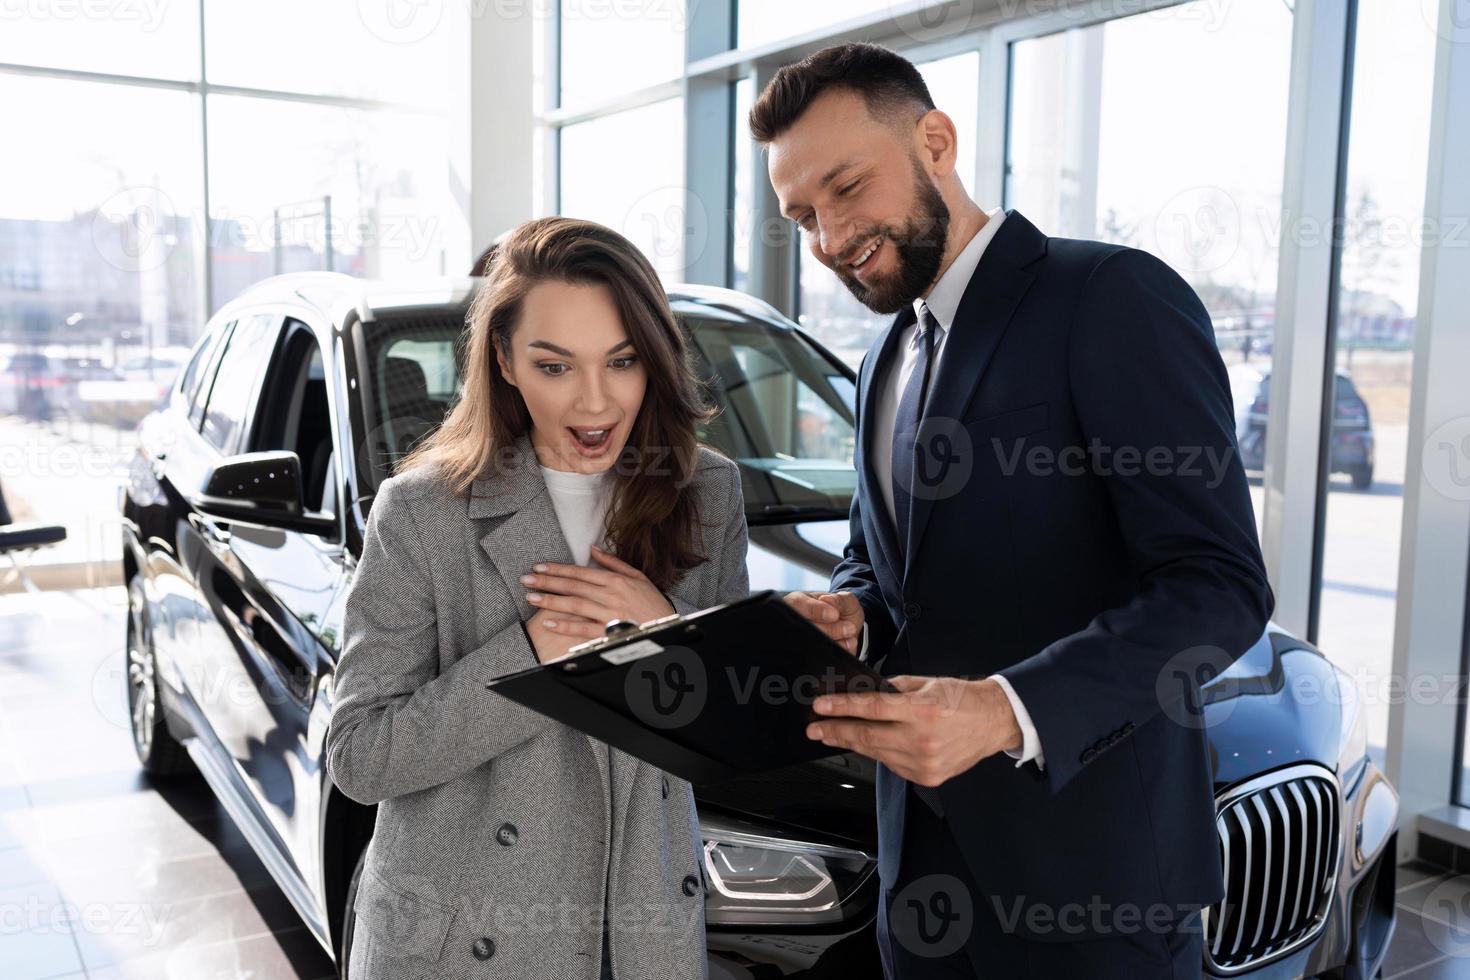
[260, 488]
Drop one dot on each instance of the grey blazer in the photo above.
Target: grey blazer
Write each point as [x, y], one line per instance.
[498, 829]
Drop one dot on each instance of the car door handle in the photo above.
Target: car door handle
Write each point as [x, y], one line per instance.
[218, 537]
[215, 536]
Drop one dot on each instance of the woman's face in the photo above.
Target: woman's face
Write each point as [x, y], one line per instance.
[575, 366]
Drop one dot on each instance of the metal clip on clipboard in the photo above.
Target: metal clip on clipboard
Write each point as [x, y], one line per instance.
[621, 629]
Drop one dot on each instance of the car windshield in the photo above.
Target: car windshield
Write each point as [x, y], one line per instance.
[786, 407]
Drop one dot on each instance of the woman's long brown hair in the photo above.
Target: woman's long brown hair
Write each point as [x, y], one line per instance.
[652, 519]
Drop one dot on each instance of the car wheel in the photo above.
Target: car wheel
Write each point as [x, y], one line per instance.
[1362, 477]
[159, 752]
[349, 918]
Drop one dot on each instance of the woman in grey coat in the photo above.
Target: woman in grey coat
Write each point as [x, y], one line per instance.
[566, 488]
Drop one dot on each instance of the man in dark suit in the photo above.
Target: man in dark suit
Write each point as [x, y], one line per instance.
[1051, 546]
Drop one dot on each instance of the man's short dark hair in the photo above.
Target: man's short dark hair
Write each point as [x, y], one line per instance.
[889, 84]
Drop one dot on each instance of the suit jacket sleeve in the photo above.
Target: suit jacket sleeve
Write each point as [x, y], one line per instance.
[398, 724]
[854, 573]
[1145, 374]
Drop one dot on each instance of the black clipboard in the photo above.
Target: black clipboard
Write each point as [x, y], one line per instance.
[709, 696]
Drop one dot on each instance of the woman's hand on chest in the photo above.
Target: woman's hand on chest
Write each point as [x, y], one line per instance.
[579, 602]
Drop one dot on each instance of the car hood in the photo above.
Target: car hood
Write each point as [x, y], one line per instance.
[1278, 704]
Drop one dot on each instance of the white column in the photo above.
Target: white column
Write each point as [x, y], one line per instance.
[1429, 630]
[494, 86]
[1299, 357]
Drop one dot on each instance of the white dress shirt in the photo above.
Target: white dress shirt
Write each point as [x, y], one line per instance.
[944, 303]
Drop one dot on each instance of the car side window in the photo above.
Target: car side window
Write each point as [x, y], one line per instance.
[296, 388]
[232, 398]
[194, 373]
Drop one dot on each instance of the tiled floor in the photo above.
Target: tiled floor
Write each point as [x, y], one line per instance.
[1432, 938]
[103, 874]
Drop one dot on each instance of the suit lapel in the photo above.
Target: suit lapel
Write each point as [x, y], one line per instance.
[991, 297]
[878, 371]
[530, 532]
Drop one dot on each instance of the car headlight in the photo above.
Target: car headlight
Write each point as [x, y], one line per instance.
[1352, 746]
[757, 879]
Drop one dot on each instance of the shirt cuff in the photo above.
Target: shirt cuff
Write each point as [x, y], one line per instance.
[1030, 741]
[862, 653]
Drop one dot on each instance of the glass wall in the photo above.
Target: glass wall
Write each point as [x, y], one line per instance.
[1377, 300]
[1190, 170]
[608, 49]
[103, 247]
[100, 246]
[763, 21]
[296, 186]
[639, 193]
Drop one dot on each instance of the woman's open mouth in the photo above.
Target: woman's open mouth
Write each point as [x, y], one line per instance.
[591, 442]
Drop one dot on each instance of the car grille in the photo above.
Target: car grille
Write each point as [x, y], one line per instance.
[1280, 843]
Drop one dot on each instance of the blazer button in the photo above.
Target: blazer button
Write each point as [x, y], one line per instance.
[506, 834]
[691, 885]
[912, 610]
[483, 948]
[666, 787]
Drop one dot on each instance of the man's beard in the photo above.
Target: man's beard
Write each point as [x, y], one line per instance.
[920, 247]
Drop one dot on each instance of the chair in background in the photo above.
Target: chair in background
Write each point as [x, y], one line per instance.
[17, 541]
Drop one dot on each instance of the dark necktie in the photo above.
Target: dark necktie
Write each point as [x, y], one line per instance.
[906, 426]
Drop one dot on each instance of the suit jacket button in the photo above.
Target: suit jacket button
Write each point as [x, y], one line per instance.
[506, 834]
[1088, 755]
[1116, 737]
[691, 885]
[666, 787]
[483, 948]
[912, 610]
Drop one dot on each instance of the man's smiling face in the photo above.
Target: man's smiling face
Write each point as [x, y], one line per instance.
[866, 207]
